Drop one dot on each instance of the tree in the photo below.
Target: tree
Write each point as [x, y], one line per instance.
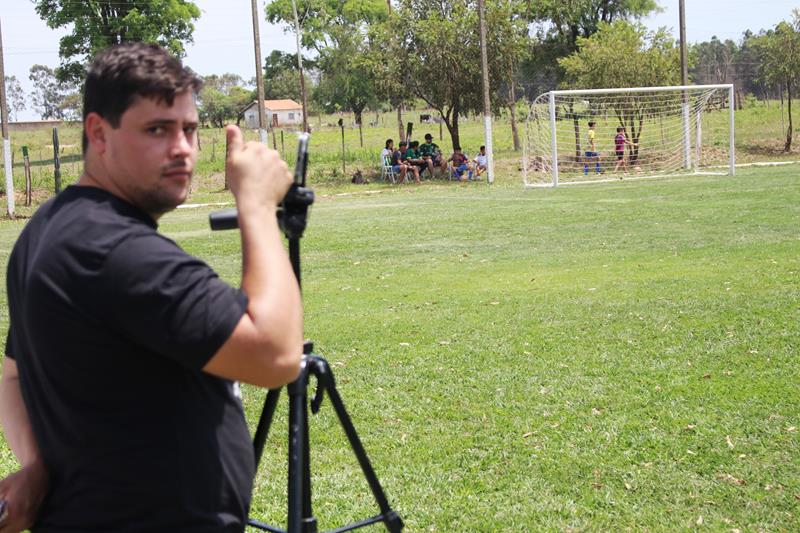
[621, 54]
[780, 61]
[223, 98]
[336, 30]
[559, 24]
[713, 62]
[440, 53]
[97, 24]
[509, 44]
[15, 97]
[51, 98]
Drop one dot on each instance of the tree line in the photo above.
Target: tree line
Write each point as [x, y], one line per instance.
[364, 55]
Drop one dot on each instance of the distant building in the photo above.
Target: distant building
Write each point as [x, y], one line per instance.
[277, 113]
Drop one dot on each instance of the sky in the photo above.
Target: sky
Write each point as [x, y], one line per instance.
[223, 37]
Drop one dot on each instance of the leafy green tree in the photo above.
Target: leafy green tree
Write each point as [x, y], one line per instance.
[621, 54]
[336, 30]
[222, 99]
[508, 45]
[780, 61]
[439, 56]
[714, 62]
[97, 24]
[15, 97]
[53, 99]
[278, 62]
[558, 24]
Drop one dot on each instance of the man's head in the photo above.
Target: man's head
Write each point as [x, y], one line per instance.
[140, 122]
[428, 138]
[403, 146]
[457, 149]
[483, 150]
[620, 129]
[413, 145]
[591, 124]
[389, 143]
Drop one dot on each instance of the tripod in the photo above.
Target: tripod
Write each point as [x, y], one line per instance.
[292, 218]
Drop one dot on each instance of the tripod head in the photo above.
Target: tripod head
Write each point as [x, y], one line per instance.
[293, 209]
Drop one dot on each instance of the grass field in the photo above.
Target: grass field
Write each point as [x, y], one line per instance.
[592, 358]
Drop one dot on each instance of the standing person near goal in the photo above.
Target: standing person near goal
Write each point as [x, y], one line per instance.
[119, 394]
[591, 151]
[620, 140]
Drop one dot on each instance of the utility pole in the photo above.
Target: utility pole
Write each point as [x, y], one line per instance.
[684, 62]
[687, 156]
[487, 105]
[6, 140]
[262, 130]
[300, 66]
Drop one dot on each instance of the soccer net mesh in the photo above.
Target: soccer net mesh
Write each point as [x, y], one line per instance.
[665, 131]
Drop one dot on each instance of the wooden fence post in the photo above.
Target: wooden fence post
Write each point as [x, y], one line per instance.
[56, 162]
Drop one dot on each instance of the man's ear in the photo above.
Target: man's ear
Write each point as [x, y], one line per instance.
[95, 127]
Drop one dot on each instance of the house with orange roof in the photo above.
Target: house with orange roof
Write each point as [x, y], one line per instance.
[277, 113]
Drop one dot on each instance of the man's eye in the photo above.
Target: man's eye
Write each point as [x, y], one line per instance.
[189, 130]
[156, 130]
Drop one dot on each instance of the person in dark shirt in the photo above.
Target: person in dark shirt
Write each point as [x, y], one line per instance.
[119, 394]
[431, 155]
[406, 156]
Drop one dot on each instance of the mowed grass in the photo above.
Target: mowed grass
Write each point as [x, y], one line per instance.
[610, 357]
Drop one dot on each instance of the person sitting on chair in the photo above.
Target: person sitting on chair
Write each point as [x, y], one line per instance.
[391, 158]
[403, 158]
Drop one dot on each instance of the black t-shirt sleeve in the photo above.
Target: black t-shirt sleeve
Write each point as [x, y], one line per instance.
[168, 301]
[10, 343]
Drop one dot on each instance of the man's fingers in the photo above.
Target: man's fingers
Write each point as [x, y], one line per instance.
[235, 139]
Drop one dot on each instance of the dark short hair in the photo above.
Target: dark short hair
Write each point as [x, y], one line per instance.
[388, 142]
[592, 123]
[122, 73]
[414, 143]
[620, 128]
[403, 143]
[482, 148]
[456, 148]
[428, 136]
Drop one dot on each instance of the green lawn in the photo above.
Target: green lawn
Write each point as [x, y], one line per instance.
[610, 357]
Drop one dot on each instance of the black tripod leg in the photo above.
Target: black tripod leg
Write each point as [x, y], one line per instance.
[264, 423]
[300, 519]
[392, 520]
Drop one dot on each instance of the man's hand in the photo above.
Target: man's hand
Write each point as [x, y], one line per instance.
[23, 491]
[257, 176]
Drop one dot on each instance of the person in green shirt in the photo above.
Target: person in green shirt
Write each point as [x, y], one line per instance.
[414, 158]
[407, 156]
[432, 155]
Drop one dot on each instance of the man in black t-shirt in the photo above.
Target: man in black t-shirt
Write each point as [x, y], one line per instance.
[119, 392]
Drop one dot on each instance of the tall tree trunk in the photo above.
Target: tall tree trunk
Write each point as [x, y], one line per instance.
[576, 127]
[788, 146]
[452, 127]
[360, 129]
[512, 108]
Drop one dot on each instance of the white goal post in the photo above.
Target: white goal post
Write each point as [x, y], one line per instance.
[664, 131]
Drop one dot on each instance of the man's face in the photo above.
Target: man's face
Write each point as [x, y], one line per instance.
[150, 157]
[429, 141]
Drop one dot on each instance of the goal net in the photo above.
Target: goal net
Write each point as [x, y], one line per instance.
[635, 133]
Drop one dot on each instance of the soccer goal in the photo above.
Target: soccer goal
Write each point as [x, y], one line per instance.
[634, 133]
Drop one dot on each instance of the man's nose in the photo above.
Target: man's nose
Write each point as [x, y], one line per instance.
[182, 144]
